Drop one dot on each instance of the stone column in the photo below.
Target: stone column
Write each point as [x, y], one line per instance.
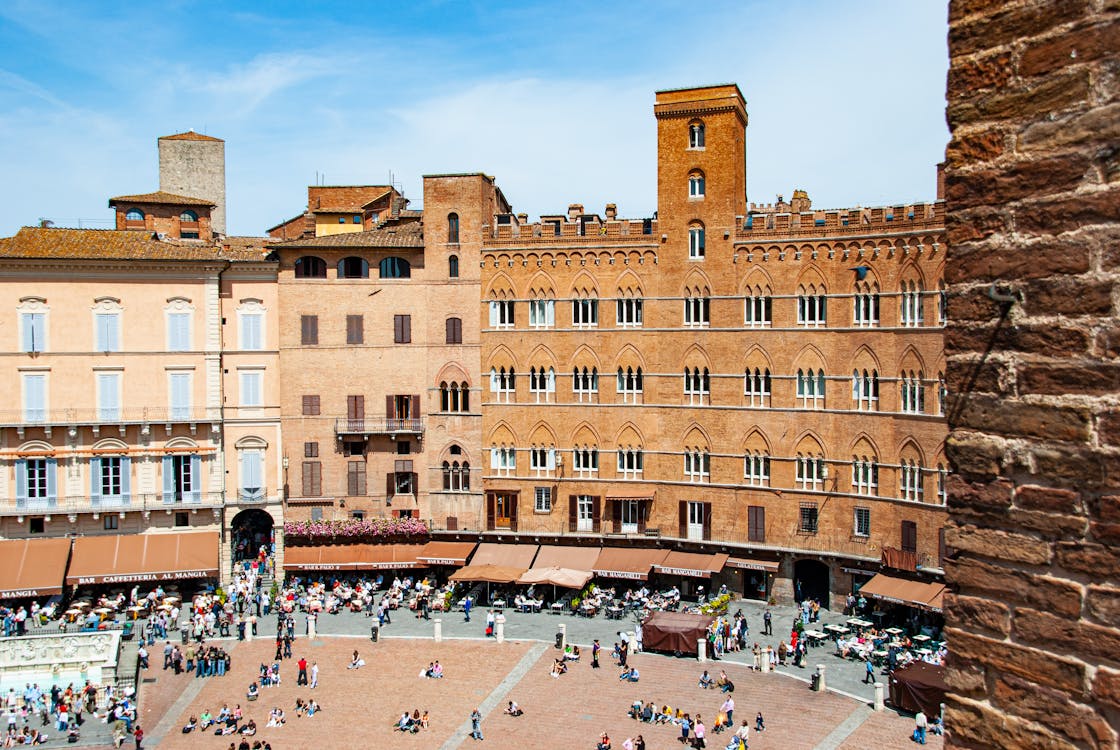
[563, 636]
[878, 705]
[500, 628]
[311, 627]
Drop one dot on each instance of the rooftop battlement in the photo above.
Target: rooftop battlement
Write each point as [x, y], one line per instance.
[777, 220]
[574, 226]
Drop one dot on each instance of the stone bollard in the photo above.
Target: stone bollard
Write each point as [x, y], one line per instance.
[767, 666]
[500, 628]
[702, 650]
[878, 706]
[821, 686]
[438, 625]
[248, 630]
[563, 636]
[311, 628]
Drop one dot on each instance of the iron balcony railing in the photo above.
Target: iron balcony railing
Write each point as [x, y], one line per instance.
[379, 426]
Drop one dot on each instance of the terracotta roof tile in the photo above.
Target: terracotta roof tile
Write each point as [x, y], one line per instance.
[113, 244]
[190, 135]
[404, 235]
[163, 198]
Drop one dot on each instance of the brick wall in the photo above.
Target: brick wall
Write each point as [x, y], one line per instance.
[1033, 191]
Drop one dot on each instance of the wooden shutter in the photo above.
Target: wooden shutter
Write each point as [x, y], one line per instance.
[511, 508]
[414, 407]
[454, 331]
[390, 485]
[356, 478]
[682, 515]
[707, 521]
[312, 478]
[310, 405]
[909, 536]
[573, 512]
[596, 514]
[402, 329]
[355, 329]
[643, 513]
[616, 515]
[355, 407]
[407, 329]
[756, 523]
[390, 407]
[309, 329]
[490, 511]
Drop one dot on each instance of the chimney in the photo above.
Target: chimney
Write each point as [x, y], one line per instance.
[574, 210]
[611, 211]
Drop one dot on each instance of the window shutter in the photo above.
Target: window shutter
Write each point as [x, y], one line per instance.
[390, 485]
[573, 512]
[95, 479]
[643, 511]
[126, 479]
[449, 331]
[390, 407]
[494, 459]
[909, 536]
[493, 314]
[416, 484]
[550, 461]
[27, 331]
[707, 521]
[407, 328]
[168, 480]
[52, 481]
[414, 407]
[490, 511]
[511, 505]
[682, 517]
[616, 515]
[196, 478]
[596, 514]
[21, 482]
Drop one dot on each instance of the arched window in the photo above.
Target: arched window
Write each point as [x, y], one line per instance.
[630, 384]
[353, 268]
[696, 134]
[453, 267]
[456, 475]
[756, 386]
[865, 390]
[394, 268]
[453, 228]
[454, 397]
[585, 383]
[696, 184]
[134, 214]
[188, 216]
[310, 267]
[696, 241]
[810, 389]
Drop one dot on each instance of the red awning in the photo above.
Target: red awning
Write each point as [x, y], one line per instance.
[446, 553]
[744, 563]
[628, 562]
[691, 564]
[32, 567]
[128, 558]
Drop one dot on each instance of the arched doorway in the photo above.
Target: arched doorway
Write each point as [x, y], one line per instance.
[811, 581]
[249, 530]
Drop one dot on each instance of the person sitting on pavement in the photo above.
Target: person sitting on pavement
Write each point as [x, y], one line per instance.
[706, 680]
[190, 725]
[630, 674]
[513, 709]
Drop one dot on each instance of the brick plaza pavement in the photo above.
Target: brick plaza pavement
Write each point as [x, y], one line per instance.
[360, 706]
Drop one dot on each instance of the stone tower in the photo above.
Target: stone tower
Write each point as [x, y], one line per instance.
[193, 164]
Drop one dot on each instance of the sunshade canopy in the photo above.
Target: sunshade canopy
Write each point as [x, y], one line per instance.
[127, 558]
[32, 567]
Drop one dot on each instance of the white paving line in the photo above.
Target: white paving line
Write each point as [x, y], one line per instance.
[497, 694]
[844, 729]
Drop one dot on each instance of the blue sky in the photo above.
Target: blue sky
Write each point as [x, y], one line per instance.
[846, 99]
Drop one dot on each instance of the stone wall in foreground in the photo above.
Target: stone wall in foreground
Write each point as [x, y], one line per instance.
[1033, 194]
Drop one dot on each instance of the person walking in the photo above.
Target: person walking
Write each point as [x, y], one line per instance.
[869, 674]
[476, 725]
[467, 608]
[301, 677]
[728, 708]
[138, 736]
[921, 723]
[595, 647]
[766, 626]
[489, 623]
[314, 674]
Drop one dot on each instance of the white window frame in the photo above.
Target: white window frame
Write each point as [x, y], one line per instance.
[542, 313]
[630, 462]
[697, 249]
[542, 461]
[694, 529]
[629, 514]
[251, 323]
[35, 412]
[34, 324]
[585, 312]
[503, 461]
[177, 409]
[501, 313]
[628, 312]
[585, 461]
[697, 465]
[861, 522]
[812, 310]
[696, 136]
[542, 384]
[758, 311]
[913, 393]
[809, 470]
[503, 384]
[865, 477]
[585, 384]
[108, 394]
[696, 185]
[756, 469]
[865, 390]
[542, 499]
[865, 308]
[585, 512]
[811, 389]
[910, 481]
[630, 384]
[250, 388]
[697, 312]
[757, 386]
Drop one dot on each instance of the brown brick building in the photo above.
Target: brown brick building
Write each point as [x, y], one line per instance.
[765, 380]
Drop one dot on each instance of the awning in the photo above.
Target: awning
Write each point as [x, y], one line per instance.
[627, 562]
[498, 563]
[487, 572]
[32, 567]
[128, 558]
[565, 578]
[743, 563]
[353, 557]
[691, 564]
[509, 555]
[576, 558]
[446, 553]
[904, 591]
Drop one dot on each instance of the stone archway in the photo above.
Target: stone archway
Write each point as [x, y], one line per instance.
[250, 529]
[811, 580]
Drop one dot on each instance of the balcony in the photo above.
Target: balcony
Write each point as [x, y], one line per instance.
[367, 426]
[145, 502]
[98, 418]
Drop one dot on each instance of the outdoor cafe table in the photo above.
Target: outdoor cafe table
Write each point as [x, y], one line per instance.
[499, 604]
[815, 636]
[921, 639]
[895, 631]
[614, 613]
[837, 630]
[557, 607]
[923, 651]
[855, 622]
